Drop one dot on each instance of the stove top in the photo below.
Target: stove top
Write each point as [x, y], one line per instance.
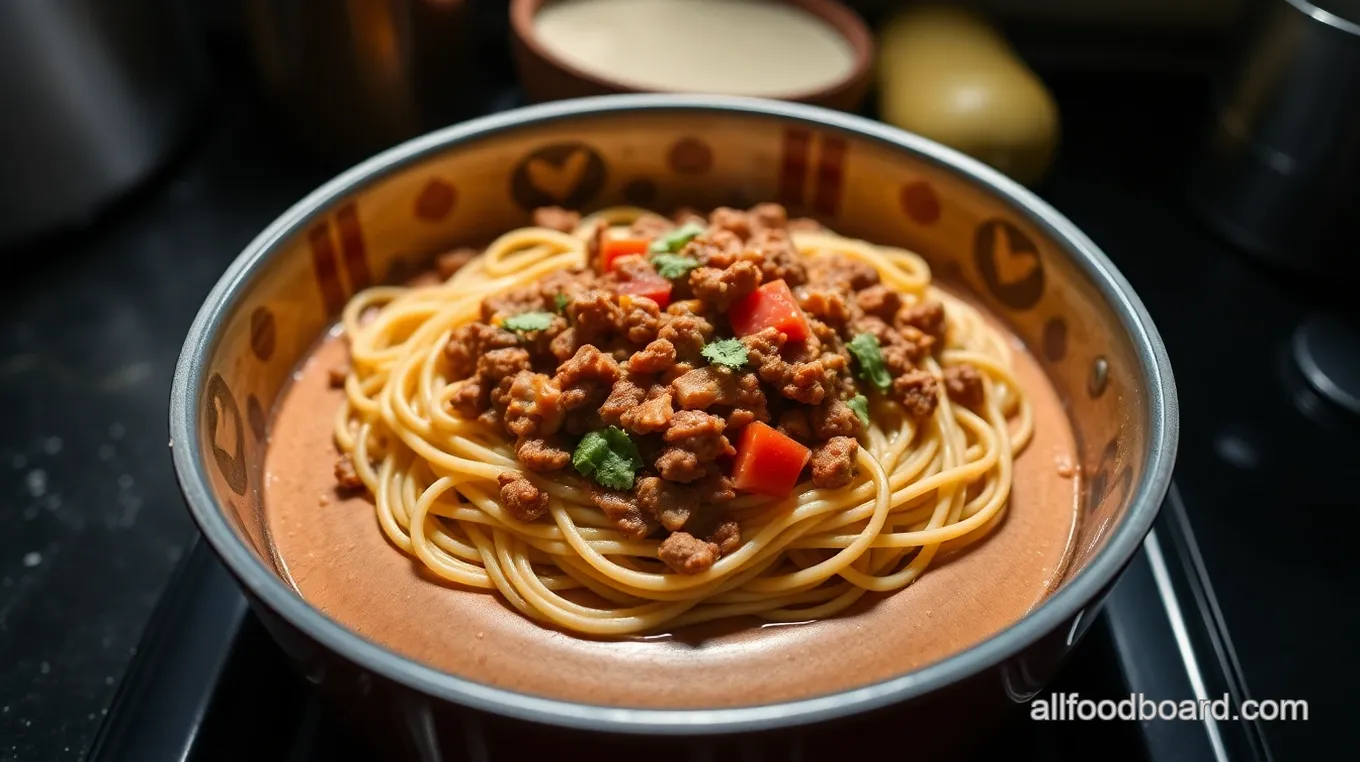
[1236, 592]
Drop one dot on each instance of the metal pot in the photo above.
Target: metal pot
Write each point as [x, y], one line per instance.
[1279, 173]
[96, 96]
[465, 183]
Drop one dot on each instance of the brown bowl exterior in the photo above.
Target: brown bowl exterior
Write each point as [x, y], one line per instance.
[544, 77]
[386, 219]
[400, 724]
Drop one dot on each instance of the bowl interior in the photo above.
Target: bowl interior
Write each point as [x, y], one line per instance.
[385, 220]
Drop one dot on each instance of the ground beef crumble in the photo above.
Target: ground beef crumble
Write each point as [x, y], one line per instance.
[542, 454]
[699, 433]
[687, 334]
[624, 511]
[828, 305]
[833, 419]
[721, 288]
[687, 554]
[727, 537]
[657, 357]
[833, 463]
[471, 341]
[927, 317]
[963, 384]
[879, 301]
[779, 259]
[346, 477]
[918, 392]
[521, 498]
[611, 357]
[652, 415]
[335, 377]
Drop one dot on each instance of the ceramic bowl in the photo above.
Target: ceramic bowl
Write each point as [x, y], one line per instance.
[387, 217]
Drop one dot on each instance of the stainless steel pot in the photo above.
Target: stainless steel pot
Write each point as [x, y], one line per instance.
[1279, 174]
[95, 97]
[469, 182]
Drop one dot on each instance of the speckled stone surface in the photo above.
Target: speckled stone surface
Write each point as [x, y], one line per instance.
[91, 520]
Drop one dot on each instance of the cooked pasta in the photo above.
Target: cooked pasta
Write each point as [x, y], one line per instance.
[916, 485]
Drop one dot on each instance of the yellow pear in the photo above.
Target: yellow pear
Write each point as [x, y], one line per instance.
[947, 74]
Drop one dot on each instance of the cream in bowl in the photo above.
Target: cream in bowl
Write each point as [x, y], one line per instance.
[739, 47]
[805, 50]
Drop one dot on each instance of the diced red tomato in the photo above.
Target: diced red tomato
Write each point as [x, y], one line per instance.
[656, 289]
[772, 305]
[613, 248]
[767, 461]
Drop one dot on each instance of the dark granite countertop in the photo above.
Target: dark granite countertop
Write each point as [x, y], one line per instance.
[91, 519]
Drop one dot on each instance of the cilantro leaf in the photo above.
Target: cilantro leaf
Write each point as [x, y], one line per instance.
[676, 239]
[860, 405]
[528, 321]
[866, 350]
[560, 301]
[609, 457]
[728, 353]
[673, 266]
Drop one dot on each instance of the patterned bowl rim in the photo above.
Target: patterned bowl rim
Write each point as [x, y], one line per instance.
[1066, 605]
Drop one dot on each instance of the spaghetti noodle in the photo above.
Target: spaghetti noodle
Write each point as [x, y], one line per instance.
[922, 487]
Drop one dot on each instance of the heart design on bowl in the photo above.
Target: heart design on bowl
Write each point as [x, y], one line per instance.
[562, 174]
[1009, 264]
[558, 181]
[230, 454]
[1012, 266]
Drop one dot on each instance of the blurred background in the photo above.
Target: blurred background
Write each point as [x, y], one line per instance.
[1210, 147]
[102, 95]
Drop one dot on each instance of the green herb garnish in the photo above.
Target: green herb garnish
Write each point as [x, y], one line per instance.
[673, 266]
[676, 239]
[866, 350]
[560, 301]
[525, 322]
[728, 353]
[609, 457]
[860, 404]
